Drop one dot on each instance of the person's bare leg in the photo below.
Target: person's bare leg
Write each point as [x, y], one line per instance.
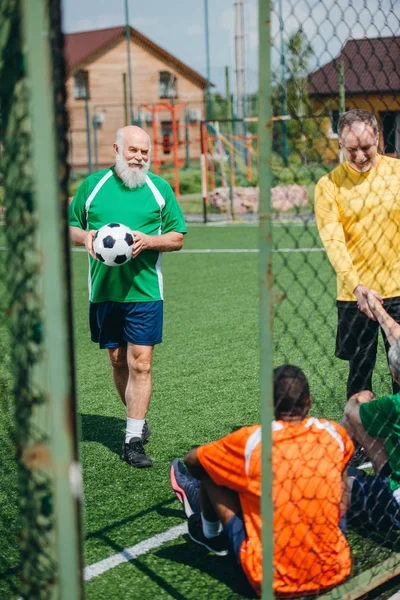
[218, 503]
[139, 384]
[374, 447]
[120, 371]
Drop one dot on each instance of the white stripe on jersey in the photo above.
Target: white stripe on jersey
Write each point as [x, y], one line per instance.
[161, 203]
[251, 444]
[95, 190]
[328, 427]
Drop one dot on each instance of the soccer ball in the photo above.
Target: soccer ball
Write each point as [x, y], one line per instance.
[113, 243]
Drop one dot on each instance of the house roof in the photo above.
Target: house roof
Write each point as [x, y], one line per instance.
[370, 66]
[86, 46]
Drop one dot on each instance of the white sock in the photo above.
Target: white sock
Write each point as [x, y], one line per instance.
[134, 428]
[211, 528]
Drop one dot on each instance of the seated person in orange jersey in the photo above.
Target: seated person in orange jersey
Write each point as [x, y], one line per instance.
[221, 493]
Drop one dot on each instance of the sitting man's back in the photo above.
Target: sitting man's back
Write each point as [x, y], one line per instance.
[309, 457]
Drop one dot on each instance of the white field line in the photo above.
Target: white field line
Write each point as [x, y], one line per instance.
[133, 552]
[102, 566]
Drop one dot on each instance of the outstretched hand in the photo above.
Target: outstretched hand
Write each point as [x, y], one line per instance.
[368, 301]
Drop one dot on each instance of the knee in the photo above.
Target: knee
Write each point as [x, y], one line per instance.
[118, 361]
[141, 367]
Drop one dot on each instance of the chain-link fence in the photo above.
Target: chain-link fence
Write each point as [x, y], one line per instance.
[39, 510]
[335, 95]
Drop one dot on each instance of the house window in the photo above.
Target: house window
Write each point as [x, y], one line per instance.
[167, 85]
[81, 85]
[335, 115]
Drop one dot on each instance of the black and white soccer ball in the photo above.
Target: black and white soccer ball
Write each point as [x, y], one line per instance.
[113, 244]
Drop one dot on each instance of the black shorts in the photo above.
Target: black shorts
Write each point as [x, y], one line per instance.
[357, 333]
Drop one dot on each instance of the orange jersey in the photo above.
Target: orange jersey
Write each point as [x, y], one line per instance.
[308, 458]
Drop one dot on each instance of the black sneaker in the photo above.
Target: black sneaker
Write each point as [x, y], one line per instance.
[146, 433]
[217, 545]
[360, 459]
[186, 487]
[133, 453]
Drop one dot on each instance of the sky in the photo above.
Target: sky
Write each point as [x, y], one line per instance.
[178, 27]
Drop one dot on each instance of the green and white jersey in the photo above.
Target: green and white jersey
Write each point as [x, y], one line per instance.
[381, 418]
[152, 209]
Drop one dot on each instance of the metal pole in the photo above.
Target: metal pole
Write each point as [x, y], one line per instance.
[228, 100]
[342, 100]
[175, 151]
[96, 153]
[285, 148]
[53, 375]
[266, 305]
[128, 49]
[208, 95]
[203, 165]
[71, 156]
[125, 99]
[187, 139]
[239, 62]
[88, 134]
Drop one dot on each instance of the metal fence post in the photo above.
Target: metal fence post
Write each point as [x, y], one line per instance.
[265, 273]
[58, 456]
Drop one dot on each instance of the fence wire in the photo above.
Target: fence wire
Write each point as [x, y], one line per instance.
[335, 203]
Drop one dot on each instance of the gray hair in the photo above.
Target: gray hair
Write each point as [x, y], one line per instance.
[120, 138]
[394, 359]
[357, 116]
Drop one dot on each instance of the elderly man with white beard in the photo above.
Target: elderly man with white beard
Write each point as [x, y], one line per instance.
[126, 303]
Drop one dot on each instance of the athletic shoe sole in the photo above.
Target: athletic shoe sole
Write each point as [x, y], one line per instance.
[180, 493]
[209, 548]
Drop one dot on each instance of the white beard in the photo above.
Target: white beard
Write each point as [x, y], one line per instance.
[133, 177]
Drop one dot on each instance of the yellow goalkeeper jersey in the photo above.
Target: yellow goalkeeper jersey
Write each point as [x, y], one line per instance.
[358, 218]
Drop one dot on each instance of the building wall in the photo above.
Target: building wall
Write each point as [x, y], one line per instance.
[328, 145]
[107, 99]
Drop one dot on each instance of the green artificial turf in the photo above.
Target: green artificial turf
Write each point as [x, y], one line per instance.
[206, 383]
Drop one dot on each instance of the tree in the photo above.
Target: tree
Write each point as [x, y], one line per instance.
[302, 127]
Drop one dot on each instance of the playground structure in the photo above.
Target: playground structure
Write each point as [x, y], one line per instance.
[173, 129]
[229, 163]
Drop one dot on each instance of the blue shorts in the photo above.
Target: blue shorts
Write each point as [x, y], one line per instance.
[236, 534]
[114, 324]
[372, 503]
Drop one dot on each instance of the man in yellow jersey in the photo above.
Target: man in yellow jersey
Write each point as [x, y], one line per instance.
[357, 208]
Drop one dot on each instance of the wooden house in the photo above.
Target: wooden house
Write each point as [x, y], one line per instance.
[371, 82]
[99, 99]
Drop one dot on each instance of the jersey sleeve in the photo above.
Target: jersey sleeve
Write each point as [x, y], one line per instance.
[77, 212]
[172, 216]
[224, 460]
[381, 418]
[332, 235]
